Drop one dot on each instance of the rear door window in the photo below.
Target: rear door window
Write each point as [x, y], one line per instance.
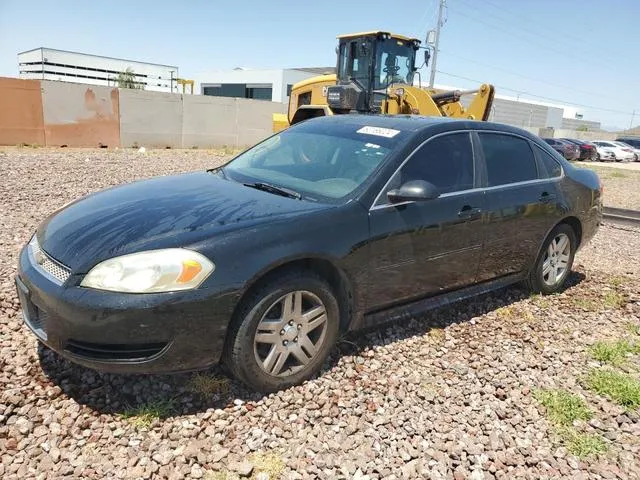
[508, 159]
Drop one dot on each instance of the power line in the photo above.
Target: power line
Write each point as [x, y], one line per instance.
[522, 92]
[573, 89]
[535, 33]
[568, 57]
[423, 19]
[580, 41]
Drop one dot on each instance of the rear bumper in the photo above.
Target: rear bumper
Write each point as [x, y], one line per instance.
[125, 333]
[590, 223]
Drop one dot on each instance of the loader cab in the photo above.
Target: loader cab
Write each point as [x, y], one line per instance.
[368, 64]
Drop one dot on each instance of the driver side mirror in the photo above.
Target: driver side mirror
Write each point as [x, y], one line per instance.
[427, 57]
[413, 191]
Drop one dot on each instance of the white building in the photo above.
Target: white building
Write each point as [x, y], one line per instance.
[50, 64]
[273, 84]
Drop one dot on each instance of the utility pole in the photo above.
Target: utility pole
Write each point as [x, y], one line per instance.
[432, 78]
[633, 115]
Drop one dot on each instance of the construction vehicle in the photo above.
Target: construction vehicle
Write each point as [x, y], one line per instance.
[375, 74]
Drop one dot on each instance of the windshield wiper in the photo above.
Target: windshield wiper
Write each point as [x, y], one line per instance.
[267, 187]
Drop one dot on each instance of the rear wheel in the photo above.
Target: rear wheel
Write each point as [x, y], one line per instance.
[283, 332]
[554, 261]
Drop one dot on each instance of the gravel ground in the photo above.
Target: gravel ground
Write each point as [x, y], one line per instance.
[621, 181]
[451, 395]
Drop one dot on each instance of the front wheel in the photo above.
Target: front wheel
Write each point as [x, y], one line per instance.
[554, 261]
[283, 332]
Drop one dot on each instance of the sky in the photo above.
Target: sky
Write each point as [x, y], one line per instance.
[574, 52]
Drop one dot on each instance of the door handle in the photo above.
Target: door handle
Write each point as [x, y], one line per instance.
[546, 197]
[469, 212]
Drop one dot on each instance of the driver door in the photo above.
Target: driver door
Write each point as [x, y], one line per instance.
[420, 248]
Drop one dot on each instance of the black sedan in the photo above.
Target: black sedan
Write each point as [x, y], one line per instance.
[332, 225]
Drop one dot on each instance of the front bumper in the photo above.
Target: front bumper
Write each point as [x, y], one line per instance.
[125, 333]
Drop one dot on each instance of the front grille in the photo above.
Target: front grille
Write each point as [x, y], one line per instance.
[45, 263]
[114, 352]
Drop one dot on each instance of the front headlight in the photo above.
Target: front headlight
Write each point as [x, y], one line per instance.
[165, 270]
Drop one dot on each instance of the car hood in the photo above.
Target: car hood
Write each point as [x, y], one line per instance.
[162, 212]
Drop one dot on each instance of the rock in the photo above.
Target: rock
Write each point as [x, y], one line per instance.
[459, 473]
[196, 471]
[219, 454]
[23, 425]
[243, 469]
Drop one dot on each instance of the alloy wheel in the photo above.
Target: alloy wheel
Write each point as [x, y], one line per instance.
[556, 260]
[290, 333]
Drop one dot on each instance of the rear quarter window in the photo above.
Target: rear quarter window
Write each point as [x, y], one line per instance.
[551, 166]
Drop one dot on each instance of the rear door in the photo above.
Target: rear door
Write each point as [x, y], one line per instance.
[426, 247]
[522, 203]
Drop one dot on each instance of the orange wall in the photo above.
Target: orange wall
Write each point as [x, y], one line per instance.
[21, 118]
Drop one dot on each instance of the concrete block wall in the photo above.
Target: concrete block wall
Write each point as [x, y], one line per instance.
[21, 119]
[209, 121]
[564, 133]
[150, 119]
[78, 115]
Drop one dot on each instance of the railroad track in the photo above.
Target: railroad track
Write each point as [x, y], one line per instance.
[621, 216]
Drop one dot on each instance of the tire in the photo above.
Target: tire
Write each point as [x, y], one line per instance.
[598, 157]
[540, 282]
[266, 307]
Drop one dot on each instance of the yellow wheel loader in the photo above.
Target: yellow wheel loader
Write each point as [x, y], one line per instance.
[375, 74]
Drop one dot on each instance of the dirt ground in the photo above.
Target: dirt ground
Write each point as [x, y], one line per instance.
[507, 385]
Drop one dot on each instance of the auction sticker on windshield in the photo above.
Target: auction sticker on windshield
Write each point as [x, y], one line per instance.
[379, 131]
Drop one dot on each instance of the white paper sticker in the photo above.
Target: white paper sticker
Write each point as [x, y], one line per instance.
[379, 131]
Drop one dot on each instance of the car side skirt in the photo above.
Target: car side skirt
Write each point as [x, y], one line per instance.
[410, 310]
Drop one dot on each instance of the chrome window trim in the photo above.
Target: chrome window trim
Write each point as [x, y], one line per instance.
[471, 190]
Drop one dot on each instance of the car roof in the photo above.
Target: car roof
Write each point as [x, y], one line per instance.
[416, 123]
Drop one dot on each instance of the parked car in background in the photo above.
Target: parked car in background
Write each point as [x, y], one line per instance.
[636, 151]
[587, 149]
[623, 154]
[633, 141]
[568, 150]
[242, 263]
[604, 154]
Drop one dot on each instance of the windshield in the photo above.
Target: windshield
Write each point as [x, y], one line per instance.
[328, 162]
[396, 59]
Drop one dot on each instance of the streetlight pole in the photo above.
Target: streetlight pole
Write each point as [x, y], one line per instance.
[432, 78]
